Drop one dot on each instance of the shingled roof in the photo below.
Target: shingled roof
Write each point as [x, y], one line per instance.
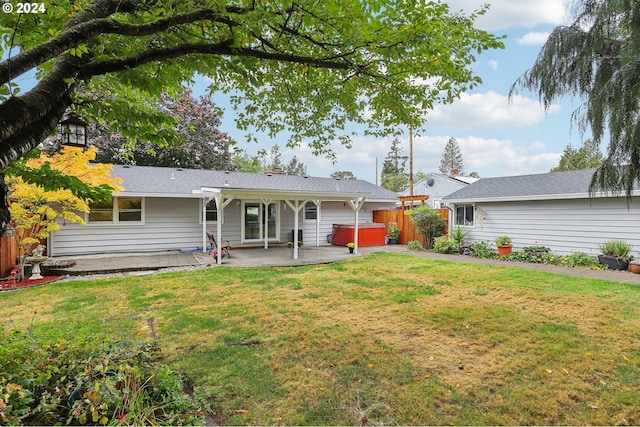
[545, 186]
[176, 182]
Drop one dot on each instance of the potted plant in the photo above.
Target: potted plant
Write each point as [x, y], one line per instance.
[394, 232]
[504, 245]
[351, 247]
[616, 254]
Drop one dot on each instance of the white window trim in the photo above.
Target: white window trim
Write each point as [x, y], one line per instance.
[304, 212]
[115, 220]
[455, 215]
[200, 214]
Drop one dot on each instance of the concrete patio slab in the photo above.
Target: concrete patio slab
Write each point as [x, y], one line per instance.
[254, 257]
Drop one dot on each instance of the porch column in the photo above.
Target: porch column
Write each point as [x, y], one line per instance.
[356, 205]
[266, 203]
[296, 206]
[221, 203]
[317, 202]
[205, 201]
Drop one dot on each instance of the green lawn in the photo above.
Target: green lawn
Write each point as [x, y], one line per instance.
[382, 338]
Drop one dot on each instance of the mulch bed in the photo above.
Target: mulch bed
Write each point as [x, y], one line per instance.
[9, 285]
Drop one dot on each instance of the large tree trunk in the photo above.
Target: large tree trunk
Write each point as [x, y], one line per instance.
[5, 217]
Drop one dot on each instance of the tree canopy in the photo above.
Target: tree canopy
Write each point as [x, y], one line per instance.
[203, 145]
[317, 64]
[597, 58]
[586, 157]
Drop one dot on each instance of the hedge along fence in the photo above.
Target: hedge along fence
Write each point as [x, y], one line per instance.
[407, 229]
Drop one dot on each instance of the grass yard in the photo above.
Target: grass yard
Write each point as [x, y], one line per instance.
[382, 338]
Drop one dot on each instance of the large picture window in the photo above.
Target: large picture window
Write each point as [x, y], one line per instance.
[120, 210]
[465, 215]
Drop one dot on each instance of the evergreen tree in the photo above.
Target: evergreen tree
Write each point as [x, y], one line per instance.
[276, 158]
[394, 175]
[452, 158]
[295, 167]
[586, 157]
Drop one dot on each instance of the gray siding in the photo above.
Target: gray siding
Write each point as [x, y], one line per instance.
[565, 226]
[174, 224]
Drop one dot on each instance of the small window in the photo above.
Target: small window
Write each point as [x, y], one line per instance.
[129, 209]
[211, 211]
[100, 212]
[310, 210]
[465, 215]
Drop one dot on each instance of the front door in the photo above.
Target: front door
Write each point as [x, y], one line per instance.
[253, 227]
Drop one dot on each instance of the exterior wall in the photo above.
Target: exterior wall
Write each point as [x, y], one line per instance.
[441, 187]
[565, 226]
[174, 224]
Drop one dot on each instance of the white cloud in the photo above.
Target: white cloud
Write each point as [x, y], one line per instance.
[489, 110]
[493, 64]
[487, 156]
[533, 39]
[505, 14]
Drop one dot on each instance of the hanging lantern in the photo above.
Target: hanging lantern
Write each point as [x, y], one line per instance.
[74, 132]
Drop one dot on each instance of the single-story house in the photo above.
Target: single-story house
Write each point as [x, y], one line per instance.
[548, 209]
[437, 186]
[164, 209]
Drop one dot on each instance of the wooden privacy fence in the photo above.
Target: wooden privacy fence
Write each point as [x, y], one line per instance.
[407, 229]
[8, 254]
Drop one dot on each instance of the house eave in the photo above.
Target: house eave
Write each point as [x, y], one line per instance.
[571, 196]
[242, 193]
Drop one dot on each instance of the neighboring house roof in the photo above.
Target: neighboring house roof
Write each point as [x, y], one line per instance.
[177, 182]
[545, 186]
[465, 179]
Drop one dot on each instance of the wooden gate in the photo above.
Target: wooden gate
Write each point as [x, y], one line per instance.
[407, 229]
[8, 254]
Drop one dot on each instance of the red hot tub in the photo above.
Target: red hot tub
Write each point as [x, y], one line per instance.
[369, 234]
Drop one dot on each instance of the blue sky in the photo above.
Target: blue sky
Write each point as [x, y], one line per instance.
[496, 137]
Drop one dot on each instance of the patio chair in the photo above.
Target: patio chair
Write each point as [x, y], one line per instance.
[214, 246]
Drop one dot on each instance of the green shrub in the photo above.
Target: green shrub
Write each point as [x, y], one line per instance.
[54, 381]
[483, 249]
[415, 245]
[581, 260]
[532, 254]
[446, 245]
[428, 223]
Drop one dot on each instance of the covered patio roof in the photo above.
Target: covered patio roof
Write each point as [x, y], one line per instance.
[295, 199]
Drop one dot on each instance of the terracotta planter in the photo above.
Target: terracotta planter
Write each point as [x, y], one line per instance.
[504, 250]
[634, 268]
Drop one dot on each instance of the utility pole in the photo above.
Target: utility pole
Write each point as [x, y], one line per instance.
[411, 164]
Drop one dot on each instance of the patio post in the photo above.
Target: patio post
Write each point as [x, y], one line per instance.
[295, 206]
[356, 205]
[266, 203]
[317, 202]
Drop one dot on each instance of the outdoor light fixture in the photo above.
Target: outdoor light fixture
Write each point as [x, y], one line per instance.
[74, 132]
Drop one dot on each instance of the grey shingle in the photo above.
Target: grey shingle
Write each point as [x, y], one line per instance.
[544, 185]
[160, 180]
